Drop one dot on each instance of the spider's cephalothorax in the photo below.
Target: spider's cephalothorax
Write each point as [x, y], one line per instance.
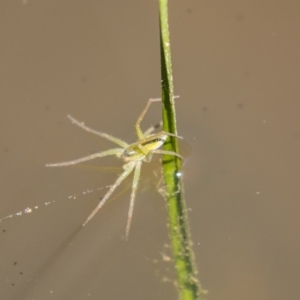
[133, 155]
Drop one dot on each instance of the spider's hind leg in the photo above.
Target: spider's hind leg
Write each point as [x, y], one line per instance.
[139, 132]
[135, 182]
[153, 128]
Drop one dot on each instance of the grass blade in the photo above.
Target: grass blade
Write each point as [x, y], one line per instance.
[189, 287]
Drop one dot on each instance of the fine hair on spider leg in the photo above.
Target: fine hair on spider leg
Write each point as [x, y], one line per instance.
[132, 154]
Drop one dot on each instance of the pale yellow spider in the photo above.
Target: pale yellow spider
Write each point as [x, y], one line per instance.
[132, 154]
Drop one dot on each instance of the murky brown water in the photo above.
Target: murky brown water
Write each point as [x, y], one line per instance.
[236, 68]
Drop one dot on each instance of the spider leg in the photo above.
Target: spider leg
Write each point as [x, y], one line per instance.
[102, 134]
[136, 178]
[139, 132]
[167, 153]
[117, 152]
[172, 134]
[152, 128]
[127, 170]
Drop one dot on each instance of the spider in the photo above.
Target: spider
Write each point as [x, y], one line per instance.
[132, 154]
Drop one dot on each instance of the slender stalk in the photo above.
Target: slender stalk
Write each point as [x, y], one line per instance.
[188, 285]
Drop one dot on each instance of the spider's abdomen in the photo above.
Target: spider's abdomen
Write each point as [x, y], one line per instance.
[140, 149]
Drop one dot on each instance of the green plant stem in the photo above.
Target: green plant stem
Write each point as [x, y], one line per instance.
[188, 285]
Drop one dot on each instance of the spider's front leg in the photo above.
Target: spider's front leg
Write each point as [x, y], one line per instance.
[118, 152]
[102, 134]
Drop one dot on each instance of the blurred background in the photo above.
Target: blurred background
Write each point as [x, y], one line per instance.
[236, 69]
